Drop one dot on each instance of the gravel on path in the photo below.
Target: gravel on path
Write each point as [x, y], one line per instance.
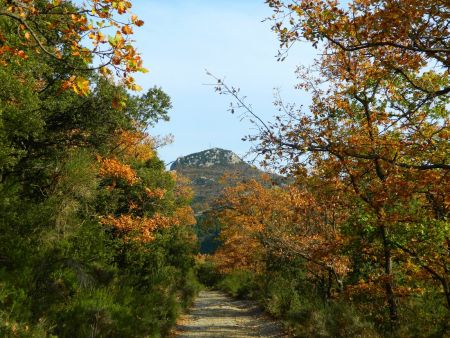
[214, 314]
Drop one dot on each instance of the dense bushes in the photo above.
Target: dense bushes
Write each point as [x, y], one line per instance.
[320, 266]
[96, 237]
[64, 273]
[286, 292]
[303, 311]
[306, 313]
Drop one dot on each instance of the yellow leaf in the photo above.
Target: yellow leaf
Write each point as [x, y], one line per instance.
[105, 71]
[127, 30]
[136, 87]
[81, 86]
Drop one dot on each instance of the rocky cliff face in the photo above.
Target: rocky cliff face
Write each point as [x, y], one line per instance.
[207, 158]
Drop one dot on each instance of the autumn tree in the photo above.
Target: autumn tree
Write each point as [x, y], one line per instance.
[261, 225]
[378, 122]
[400, 38]
[377, 66]
[141, 205]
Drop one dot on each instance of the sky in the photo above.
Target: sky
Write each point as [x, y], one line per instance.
[183, 38]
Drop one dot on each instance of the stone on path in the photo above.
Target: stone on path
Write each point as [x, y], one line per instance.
[214, 314]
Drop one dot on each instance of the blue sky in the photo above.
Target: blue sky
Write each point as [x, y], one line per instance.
[180, 39]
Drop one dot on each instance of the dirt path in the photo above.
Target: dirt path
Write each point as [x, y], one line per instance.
[216, 315]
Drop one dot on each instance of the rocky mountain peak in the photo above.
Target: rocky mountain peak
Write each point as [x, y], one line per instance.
[207, 158]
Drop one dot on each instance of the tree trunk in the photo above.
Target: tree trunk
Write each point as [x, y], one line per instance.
[330, 284]
[446, 287]
[389, 289]
[323, 289]
[446, 284]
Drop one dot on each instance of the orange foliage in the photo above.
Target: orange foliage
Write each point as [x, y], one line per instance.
[157, 193]
[402, 37]
[107, 24]
[143, 229]
[113, 168]
[182, 190]
[185, 216]
[284, 222]
[129, 146]
[139, 228]
[136, 145]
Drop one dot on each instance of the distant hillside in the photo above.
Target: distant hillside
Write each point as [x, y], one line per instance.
[206, 168]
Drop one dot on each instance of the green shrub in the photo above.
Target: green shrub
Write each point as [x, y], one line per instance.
[303, 311]
[424, 316]
[207, 274]
[190, 289]
[241, 284]
[279, 294]
[91, 313]
[343, 320]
